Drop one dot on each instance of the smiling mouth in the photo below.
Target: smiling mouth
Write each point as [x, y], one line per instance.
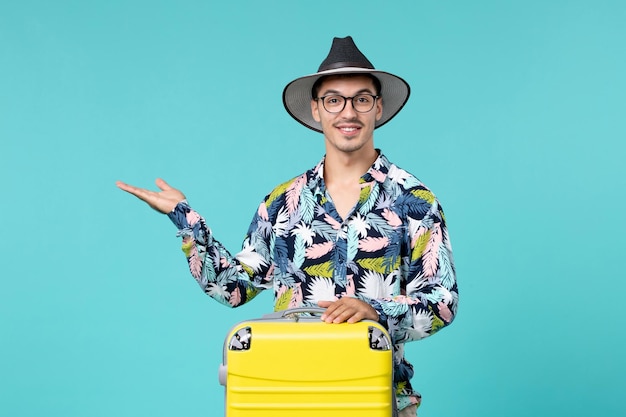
[348, 130]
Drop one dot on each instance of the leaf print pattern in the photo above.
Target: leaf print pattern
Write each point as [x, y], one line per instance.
[392, 218]
[359, 223]
[280, 226]
[299, 251]
[296, 296]
[444, 312]
[235, 297]
[392, 251]
[283, 297]
[373, 244]
[195, 264]
[431, 253]
[192, 218]
[305, 232]
[368, 198]
[321, 289]
[293, 193]
[374, 285]
[419, 242]
[320, 270]
[248, 256]
[319, 250]
[422, 323]
[353, 244]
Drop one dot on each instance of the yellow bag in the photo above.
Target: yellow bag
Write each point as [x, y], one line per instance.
[291, 365]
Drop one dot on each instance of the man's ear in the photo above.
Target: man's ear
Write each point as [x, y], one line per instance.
[315, 110]
[379, 108]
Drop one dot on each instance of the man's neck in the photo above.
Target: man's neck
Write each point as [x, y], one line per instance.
[341, 168]
[342, 174]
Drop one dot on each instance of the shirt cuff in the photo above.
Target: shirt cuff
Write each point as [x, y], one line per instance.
[382, 317]
[178, 215]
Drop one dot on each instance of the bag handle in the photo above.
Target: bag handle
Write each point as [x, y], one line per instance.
[293, 311]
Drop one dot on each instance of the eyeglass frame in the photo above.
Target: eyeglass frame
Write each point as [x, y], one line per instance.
[345, 101]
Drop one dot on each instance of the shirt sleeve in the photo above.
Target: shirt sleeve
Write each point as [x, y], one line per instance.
[429, 295]
[231, 280]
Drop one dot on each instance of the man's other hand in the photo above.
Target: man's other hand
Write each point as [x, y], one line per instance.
[347, 309]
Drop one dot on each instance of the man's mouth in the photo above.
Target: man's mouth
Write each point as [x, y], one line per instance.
[348, 130]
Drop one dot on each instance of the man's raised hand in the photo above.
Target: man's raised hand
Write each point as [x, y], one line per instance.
[163, 201]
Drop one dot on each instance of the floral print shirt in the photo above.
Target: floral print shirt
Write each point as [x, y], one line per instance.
[392, 251]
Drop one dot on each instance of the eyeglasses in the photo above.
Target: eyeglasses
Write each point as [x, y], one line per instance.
[361, 103]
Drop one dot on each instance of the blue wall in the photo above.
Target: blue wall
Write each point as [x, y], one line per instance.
[516, 122]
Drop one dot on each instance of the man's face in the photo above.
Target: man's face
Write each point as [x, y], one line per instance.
[347, 130]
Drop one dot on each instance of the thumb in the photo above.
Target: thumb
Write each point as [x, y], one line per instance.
[162, 184]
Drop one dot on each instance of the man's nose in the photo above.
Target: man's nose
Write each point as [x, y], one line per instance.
[348, 109]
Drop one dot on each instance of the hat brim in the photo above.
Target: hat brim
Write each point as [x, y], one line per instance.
[297, 95]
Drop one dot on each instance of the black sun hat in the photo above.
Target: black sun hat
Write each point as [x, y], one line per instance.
[344, 58]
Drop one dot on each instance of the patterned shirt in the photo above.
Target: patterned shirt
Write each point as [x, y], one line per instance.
[392, 251]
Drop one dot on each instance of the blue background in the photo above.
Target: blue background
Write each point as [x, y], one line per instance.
[516, 122]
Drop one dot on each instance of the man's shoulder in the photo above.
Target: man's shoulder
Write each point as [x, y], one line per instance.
[408, 184]
[402, 176]
[294, 184]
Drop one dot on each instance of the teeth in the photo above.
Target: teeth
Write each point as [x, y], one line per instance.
[349, 129]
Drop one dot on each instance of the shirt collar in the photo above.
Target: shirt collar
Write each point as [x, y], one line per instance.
[377, 172]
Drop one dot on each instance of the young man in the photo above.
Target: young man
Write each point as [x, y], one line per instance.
[356, 234]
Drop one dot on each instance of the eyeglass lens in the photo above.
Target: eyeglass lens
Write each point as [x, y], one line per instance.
[362, 103]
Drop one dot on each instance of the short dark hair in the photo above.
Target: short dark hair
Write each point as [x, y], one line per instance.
[320, 80]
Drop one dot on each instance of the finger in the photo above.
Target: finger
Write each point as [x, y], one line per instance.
[351, 310]
[363, 312]
[127, 187]
[140, 193]
[350, 315]
[162, 184]
[338, 314]
[356, 317]
[122, 185]
[326, 305]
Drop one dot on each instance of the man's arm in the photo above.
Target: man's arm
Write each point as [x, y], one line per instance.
[429, 297]
[231, 280]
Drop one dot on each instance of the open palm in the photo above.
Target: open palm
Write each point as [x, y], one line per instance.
[163, 201]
